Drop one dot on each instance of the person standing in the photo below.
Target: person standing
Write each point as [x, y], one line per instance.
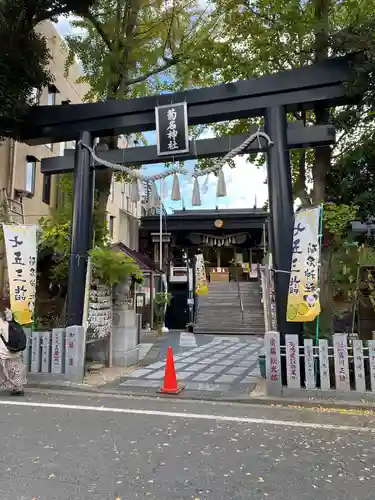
[12, 369]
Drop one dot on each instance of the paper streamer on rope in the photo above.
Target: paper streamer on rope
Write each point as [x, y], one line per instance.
[134, 192]
[205, 185]
[176, 193]
[221, 189]
[196, 201]
[153, 201]
[164, 190]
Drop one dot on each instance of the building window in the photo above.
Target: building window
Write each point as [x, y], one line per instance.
[30, 174]
[46, 193]
[111, 225]
[52, 93]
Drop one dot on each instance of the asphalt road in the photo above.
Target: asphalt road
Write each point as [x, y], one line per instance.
[61, 446]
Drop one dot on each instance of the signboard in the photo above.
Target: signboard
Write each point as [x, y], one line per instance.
[273, 363]
[21, 252]
[172, 135]
[292, 361]
[309, 364]
[340, 348]
[325, 379]
[303, 296]
[201, 287]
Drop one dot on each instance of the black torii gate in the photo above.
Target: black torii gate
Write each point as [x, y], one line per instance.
[271, 97]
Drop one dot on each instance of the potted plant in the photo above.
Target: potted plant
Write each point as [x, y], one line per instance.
[190, 327]
[162, 300]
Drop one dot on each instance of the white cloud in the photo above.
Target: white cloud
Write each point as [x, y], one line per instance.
[245, 182]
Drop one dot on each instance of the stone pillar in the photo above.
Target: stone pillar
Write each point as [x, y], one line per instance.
[124, 328]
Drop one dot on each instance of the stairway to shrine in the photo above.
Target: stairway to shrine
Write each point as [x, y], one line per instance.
[220, 311]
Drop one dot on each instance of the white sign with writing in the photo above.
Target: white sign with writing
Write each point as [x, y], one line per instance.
[340, 348]
[359, 366]
[35, 352]
[371, 357]
[57, 350]
[309, 364]
[292, 362]
[325, 380]
[273, 364]
[46, 351]
[71, 351]
[21, 252]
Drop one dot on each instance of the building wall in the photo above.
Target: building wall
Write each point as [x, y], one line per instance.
[123, 215]
[15, 176]
[15, 157]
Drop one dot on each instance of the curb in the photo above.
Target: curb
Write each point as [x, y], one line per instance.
[195, 396]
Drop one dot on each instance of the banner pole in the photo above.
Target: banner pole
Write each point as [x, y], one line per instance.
[319, 273]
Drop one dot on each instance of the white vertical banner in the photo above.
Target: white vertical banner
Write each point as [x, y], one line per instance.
[21, 253]
[273, 363]
[371, 358]
[46, 351]
[303, 297]
[35, 352]
[340, 349]
[292, 362]
[57, 350]
[325, 380]
[359, 367]
[309, 364]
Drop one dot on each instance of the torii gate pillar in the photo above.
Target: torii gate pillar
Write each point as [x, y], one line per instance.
[281, 213]
[82, 231]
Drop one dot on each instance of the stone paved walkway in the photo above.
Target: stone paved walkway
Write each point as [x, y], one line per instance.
[223, 364]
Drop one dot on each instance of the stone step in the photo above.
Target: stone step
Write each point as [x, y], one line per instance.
[213, 331]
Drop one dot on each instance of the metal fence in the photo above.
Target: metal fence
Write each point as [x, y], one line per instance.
[344, 366]
[59, 353]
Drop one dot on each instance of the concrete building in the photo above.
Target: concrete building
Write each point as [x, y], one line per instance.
[123, 214]
[26, 192]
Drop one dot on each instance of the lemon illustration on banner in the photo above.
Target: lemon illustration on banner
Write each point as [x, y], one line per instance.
[303, 308]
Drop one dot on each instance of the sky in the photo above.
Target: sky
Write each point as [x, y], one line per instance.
[245, 183]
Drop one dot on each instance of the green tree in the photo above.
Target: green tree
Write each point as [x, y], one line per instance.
[266, 36]
[351, 179]
[24, 54]
[258, 37]
[129, 48]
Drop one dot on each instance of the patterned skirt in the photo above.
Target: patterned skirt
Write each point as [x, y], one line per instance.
[12, 374]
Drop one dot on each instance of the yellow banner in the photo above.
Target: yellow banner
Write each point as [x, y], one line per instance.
[21, 252]
[201, 286]
[303, 296]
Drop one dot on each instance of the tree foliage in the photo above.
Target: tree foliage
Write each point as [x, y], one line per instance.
[24, 56]
[267, 36]
[128, 47]
[351, 179]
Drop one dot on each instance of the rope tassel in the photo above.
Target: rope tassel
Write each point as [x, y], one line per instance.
[176, 194]
[134, 191]
[153, 200]
[221, 188]
[196, 201]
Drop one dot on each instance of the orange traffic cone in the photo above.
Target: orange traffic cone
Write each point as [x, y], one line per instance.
[170, 385]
